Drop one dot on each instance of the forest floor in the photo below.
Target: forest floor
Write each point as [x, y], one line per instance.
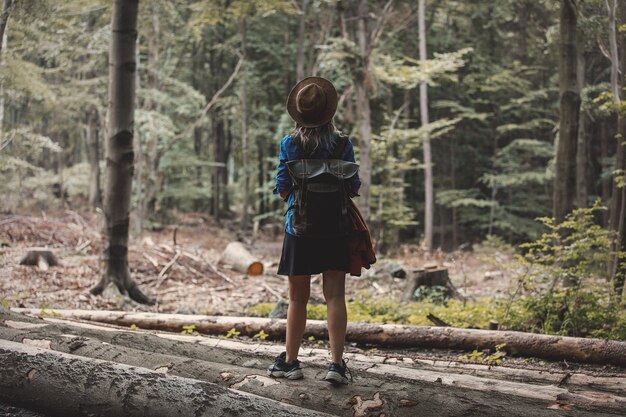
[186, 276]
[191, 284]
[180, 267]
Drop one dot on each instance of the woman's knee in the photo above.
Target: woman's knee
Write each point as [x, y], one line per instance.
[334, 285]
[299, 289]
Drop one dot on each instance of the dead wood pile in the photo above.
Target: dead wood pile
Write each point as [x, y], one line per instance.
[157, 370]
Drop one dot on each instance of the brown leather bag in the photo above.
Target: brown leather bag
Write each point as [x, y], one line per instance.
[362, 253]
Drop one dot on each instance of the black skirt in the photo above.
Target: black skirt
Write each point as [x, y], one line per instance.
[309, 255]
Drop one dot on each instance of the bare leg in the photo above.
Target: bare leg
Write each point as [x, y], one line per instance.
[299, 291]
[335, 294]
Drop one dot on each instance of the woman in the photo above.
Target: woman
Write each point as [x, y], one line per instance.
[316, 226]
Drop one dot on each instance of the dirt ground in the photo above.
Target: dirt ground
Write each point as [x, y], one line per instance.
[185, 275]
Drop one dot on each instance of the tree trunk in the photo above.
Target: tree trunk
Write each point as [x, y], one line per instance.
[93, 151]
[4, 19]
[199, 203]
[61, 384]
[429, 205]
[364, 123]
[582, 194]
[300, 61]
[455, 238]
[518, 343]
[565, 167]
[119, 150]
[617, 221]
[218, 151]
[244, 139]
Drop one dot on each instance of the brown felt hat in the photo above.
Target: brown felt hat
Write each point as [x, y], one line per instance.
[312, 102]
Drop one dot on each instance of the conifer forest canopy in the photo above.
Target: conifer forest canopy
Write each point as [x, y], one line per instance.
[509, 110]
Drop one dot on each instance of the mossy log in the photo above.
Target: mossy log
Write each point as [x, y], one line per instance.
[515, 343]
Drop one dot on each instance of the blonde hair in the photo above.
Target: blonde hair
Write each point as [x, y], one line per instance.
[311, 138]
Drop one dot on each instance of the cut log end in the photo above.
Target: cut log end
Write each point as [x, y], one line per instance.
[241, 259]
[256, 268]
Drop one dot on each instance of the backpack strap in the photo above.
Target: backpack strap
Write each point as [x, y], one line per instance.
[340, 145]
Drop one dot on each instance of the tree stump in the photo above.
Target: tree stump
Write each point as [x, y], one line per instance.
[42, 258]
[430, 278]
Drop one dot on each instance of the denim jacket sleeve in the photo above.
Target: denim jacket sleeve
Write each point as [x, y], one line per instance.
[283, 180]
[348, 155]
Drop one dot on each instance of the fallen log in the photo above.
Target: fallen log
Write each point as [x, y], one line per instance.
[61, 384]
[241, 259]
[232, 351]
[309, 393]
[515, 343]
[395, 390]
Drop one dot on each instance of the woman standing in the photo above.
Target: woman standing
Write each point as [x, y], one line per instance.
[317, 186]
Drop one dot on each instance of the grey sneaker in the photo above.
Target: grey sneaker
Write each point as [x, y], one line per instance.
[282, 369]
[337, 373]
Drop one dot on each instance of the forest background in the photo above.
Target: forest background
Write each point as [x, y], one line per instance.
[510, 111]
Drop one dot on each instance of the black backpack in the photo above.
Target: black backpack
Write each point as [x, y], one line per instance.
[321, 196]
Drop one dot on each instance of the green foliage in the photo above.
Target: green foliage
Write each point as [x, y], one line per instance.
[364, 308]
[189, 329]
[261, 335]
[436, 294]
[496, 358]
[565, 287]
[493, 100]
[47, 311]
[408, 73]
[260, 310]
[232, 334]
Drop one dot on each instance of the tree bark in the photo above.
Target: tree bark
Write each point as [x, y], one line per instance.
[517, 343]
[300, 61]
[429, 205]
[364, 122]
[93, 152]
[582, 194]
[444, 390]
[230, 351]
[119, 150]
[61, 384]
[244, 139]
[565, 167]
[4, 19]
[617, 219]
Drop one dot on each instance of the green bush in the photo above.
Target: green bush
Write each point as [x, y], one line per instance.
[565, 287]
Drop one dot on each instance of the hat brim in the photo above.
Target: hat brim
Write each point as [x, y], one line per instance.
[321, 118]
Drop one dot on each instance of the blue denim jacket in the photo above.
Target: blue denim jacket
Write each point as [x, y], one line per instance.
[289, 151]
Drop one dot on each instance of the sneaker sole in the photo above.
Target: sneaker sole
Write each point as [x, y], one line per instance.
[336, 378]
[295, 374]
